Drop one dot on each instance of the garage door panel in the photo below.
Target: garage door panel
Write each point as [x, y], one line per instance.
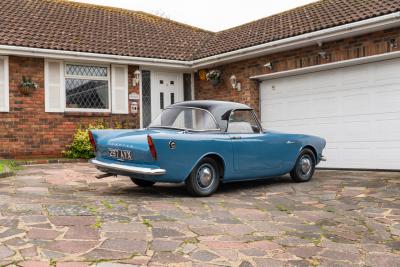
[353, 131]
[388, 100]
[357, 153]
[275, 110]
[356, 103]
[388, 154]
[386, 72]
[356, 109]
[325, 80]
[356, 77]
[325, 106]
[387, 128]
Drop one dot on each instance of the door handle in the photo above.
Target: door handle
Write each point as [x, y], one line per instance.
[289, 142]
[236, 137]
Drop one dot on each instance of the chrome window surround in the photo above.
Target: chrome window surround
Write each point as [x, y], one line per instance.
[255, 119]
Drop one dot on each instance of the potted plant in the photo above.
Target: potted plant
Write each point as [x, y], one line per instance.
[27, 86]
[214, 76]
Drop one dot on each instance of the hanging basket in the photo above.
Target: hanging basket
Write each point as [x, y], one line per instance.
[26, 90]
[215, 82]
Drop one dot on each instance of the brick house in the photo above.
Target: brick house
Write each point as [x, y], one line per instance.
[330, 68]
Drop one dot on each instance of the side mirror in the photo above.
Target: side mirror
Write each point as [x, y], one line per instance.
[256, 129]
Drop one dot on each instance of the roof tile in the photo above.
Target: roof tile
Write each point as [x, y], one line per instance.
[65, 25]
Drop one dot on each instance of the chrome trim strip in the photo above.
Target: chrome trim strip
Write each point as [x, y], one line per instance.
[129, 169]
[323, 158]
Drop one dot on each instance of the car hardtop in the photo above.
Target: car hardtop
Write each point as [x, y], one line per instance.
[219, 109]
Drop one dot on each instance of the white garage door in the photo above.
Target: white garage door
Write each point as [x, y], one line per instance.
[356, 109]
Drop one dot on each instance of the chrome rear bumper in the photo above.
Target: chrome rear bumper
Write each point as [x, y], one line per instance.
[103, 166]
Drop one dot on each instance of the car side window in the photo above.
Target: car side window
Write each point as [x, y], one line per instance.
[242, 121]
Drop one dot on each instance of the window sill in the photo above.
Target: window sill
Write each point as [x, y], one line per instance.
[87, 114]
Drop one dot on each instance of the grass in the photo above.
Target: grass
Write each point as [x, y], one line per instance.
[107, 204]
[8, 166]
[98, 224]
[282, 208]
[147, 223]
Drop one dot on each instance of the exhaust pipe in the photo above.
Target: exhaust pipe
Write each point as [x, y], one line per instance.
[105, 175]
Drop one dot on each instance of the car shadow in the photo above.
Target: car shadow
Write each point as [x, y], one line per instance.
[166, 190]
[259, 184]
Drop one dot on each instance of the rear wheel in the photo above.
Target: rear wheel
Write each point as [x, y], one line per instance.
[203, 181]
[142, 183]
[305, 166]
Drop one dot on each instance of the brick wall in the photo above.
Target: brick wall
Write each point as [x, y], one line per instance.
[355, 47]
[27, 131]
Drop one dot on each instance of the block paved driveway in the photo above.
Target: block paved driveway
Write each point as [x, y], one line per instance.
[55, 214]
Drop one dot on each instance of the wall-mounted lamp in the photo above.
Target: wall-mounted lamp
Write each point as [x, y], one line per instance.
[393, 43]
[322, 54]
[268, 65]
[136, 78]
[235, 84]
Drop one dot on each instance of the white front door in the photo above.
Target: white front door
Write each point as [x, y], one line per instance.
[357, 110]
[166, 89]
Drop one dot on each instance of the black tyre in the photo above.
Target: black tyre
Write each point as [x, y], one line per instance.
[142, 183]
[203, 181]
[304, 169]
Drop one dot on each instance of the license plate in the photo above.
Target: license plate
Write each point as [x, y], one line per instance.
[120, 154]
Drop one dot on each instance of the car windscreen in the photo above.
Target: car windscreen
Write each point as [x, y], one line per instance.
[185, 118]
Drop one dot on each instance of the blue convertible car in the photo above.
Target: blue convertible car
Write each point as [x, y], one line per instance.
[205, 143]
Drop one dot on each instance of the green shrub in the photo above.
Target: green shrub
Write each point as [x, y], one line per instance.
[8, 166]
[81, 148]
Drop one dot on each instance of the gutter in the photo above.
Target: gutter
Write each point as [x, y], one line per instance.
[313, 38]
[84, 56]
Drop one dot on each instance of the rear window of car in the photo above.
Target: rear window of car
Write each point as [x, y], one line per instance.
[185, 118]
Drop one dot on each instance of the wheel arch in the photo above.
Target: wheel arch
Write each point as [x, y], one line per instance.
[314, 151]
[220, 161]
[218, 158]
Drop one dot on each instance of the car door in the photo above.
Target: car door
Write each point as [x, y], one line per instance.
[254, 151]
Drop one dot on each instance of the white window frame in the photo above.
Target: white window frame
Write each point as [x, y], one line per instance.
[108, 79]
[6, 88]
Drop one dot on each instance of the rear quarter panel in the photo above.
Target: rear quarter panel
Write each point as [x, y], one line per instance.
[190, 149]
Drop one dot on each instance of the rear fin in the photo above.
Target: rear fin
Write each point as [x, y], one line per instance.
[152, 147]
[92, 141]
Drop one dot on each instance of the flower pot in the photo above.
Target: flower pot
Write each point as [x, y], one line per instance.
[215, 82]
[25, 90]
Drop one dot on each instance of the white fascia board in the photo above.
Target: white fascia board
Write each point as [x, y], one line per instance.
[328, 66]
[93, 57]
[312, 38]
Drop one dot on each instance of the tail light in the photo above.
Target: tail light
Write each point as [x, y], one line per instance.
[92, 141]
[152, 147]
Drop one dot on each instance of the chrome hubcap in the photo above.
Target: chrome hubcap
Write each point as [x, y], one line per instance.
[305, 165]
[205, 176]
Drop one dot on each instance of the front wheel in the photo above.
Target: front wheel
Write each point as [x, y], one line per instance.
[203, 181]
[305, 166]
[142, 183]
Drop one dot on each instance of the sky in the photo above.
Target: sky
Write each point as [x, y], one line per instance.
[213, 15]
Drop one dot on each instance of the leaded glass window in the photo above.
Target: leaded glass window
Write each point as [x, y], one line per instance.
[146, 97]
[87, 87]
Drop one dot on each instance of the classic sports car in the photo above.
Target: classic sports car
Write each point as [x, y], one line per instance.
[205, 143]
